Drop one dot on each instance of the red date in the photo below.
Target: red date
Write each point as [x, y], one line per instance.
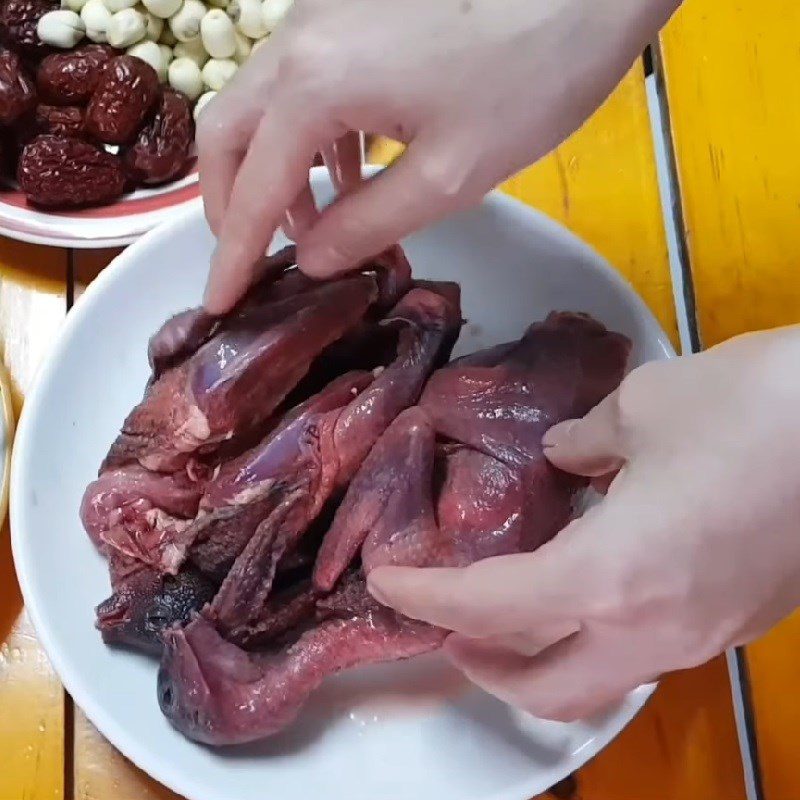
[161, 150]
[60, 120]
[63, 172]
[17, 92]
[69, 79]
[18, 19]
[125, 95]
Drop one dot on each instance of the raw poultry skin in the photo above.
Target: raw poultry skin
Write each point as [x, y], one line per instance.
[283, 451]
[457, 478]
[197, 512]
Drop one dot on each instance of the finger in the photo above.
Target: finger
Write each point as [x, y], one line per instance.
[574, 679]
[217, 175]
[531, 643]
[411, 193]
[223, 133]
[270, 177]
[502, 595]
[342, 157]
[590, 446]
[301, 215]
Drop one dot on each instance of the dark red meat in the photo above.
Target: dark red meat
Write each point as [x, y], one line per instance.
[215, 692]
[283, 451]
[138, 513]
[236, 379]
[146, 603]
[334, 439]
[436, 490]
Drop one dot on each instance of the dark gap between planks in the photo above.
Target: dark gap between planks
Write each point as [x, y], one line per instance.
[654, 64]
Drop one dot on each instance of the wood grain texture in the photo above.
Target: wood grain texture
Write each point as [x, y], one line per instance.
[731, 75]
[731, 72]
[32, 306]
[602, 184]
[88, 264]
[682, 746]
[102, 773]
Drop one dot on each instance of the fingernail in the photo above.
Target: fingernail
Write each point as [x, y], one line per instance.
[374, 589]
[558, 434]
[321, 261]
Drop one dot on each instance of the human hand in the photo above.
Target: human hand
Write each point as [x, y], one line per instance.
[478, 89]
[695, 548]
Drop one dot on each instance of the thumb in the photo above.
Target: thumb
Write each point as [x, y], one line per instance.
[545, 590]
[590, 446]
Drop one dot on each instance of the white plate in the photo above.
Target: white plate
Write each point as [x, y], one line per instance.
[113, 225]
[405, 730]
[6, 439]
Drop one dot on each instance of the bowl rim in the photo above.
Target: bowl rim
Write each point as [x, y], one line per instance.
[179, 781]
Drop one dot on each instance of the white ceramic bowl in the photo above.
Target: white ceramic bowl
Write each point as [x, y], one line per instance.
[405, 730]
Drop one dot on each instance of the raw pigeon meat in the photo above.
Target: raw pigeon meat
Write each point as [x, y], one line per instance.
[283, 451]
[457, 478]
[196, 512]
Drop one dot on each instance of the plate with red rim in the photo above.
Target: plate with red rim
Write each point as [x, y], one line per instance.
[112, 225]
[393, 731]
[6, 439]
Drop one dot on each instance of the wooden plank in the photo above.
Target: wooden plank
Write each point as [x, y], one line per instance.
[602, 184]
[32, 305]
[731, 76]
[681, 747]
[102, 773]
[88, 264]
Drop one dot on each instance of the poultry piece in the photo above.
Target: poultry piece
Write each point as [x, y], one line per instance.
[235, 380]
[216, 382]
[134, 512]
[459, 477]
[182, 335]
[210, 506]
[145, 603]
[320, 445]
[210, 381]
[490, 411]
[216, 693]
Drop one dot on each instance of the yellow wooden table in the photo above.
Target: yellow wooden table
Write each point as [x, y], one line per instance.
[727, 122]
